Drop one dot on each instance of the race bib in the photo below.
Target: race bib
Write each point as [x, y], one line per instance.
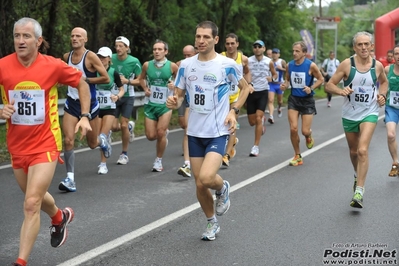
[362, 96]
[104, 99]
[394, 99]
[158, 94]
[29, 105]
[298, 79]
[202, 100]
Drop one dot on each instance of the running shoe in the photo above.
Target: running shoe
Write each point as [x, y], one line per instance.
[59, 233]
[131, 126]
[354, 183]
[263, 125]
[309, 142]
[212, 228]
[102, 169]
[157, 166]
[254, 151]
[233, 151]
[357, 200]
[226, 160]
[123, 159]
[297, 160]
[185, 171]
[223, 200]
[16, 264]
[271, 120]
[328, 104]
[67, 185]
[280, 112]
[104, 145]
[394, 170]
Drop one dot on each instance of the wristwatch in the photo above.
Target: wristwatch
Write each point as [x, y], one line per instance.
[88, 115]
[236, 110]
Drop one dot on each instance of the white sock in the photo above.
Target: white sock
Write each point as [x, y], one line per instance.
[71, 176]
[360, 190]
[212, 219]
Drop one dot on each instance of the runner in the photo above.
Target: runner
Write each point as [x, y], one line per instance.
[361, 105]
[156, 80]
[262, 72]
[107, 95]
[34, 140]
[328, 69]
[232, 52]
[280, 66]
[207, 78]
[300, 74]
[392, 110]
[185, 170]
[129, 68]
[89, 64]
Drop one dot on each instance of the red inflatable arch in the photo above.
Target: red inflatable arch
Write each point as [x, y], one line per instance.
[384, 32]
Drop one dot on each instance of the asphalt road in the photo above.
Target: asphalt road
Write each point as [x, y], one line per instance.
[279, 215]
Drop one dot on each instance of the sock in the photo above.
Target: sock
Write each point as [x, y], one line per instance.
[212, 219]
[187, 163]
[220, 192]
[355, 175]
[21, 261]
[124, 152]
[71, 176]
[159, 159]
[57, 218]
[103, 164]
[70, 160]
[271, 117]
[359, 190]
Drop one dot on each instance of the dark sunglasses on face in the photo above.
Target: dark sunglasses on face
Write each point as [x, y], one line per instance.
[256, 46]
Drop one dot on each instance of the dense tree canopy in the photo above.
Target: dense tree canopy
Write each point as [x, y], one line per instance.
[277, 22]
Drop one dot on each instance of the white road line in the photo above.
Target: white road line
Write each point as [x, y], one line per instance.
[91, 254]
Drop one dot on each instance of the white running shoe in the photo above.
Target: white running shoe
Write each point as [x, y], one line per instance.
[157, 166]
[223, 200]
[212, 228]
[102, 169]
[254, 151]
[131, 126]
[104, 145]
[123, 159]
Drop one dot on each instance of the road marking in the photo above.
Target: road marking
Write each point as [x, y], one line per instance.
[91, 254]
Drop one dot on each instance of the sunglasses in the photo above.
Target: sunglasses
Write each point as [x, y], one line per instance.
[256, 46]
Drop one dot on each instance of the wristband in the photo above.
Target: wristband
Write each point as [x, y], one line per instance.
[87, 80]
[251, 84]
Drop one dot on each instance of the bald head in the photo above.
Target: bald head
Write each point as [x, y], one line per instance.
[78, 38]
[80, 31]
[188, 51]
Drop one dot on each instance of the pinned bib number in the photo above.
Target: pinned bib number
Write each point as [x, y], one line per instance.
[30, 107]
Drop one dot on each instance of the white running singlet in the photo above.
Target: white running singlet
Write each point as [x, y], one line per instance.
[207, 86]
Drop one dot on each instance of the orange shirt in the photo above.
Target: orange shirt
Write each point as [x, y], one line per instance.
[34, 127]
